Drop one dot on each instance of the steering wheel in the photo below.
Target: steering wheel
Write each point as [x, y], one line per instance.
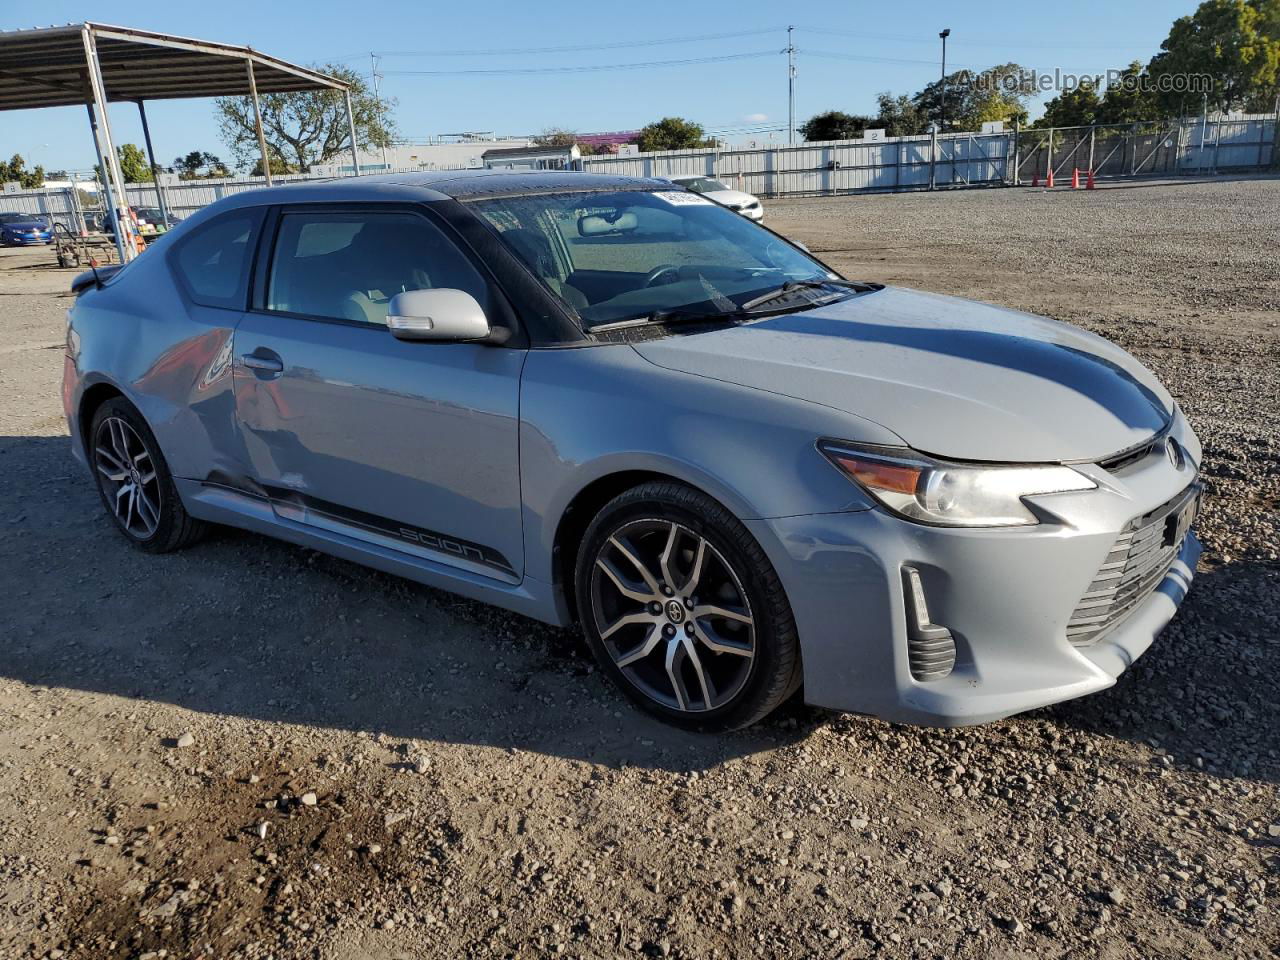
[662, 270]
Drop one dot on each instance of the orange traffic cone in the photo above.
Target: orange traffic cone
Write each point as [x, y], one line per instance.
[1088, 183]
[1075, 178]
[1048, 180]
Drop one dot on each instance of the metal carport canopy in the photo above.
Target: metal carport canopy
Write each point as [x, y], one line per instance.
[94, 63]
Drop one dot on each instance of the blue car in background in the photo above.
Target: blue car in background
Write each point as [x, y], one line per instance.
[22, 229]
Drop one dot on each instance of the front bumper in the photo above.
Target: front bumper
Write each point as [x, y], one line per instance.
[1006, 596]
[756, 214]
[26, 239]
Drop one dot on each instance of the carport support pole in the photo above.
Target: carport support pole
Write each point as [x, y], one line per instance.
[108, 162]
[351, 126]
[155, 167]
[257, 123]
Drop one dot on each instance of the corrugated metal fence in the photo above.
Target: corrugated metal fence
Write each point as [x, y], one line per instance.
[838, 166]
[1190, 146]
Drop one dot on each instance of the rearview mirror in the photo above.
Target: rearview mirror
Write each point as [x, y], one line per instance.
[443, 315]
[594, 225]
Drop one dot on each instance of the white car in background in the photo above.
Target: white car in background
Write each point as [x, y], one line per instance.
[711, 188]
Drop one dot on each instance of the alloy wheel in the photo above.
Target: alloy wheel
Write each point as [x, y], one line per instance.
[128, 477]
[673, 615]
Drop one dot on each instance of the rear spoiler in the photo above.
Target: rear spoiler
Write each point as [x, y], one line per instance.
[94, 277]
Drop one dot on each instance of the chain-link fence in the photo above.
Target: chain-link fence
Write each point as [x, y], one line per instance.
[1152, 148]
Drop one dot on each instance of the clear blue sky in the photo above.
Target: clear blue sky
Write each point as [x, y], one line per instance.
[1084, 37]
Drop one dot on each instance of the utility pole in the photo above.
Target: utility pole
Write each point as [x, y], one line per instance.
[942, 101]
[377, 78]
[791, 87]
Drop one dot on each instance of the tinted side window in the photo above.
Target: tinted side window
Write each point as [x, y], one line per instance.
[348, 266]
[213, 261]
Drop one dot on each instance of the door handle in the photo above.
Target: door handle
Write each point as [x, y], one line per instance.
[266, 364]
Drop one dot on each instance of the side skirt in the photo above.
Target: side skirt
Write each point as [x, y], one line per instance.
[220, 504]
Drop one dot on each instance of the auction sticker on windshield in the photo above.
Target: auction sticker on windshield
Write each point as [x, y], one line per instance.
[683, 199]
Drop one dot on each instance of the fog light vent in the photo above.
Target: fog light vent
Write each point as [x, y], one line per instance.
[931, 650]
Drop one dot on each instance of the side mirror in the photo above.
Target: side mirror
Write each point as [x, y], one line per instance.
[443, 315]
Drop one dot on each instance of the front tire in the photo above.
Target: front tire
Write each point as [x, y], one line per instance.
[134, 481]
[684, 611]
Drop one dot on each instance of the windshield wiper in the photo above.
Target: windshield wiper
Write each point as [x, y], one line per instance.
[792, 285]
[666, 316]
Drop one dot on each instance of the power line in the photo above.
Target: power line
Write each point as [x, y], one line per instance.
[574, 48]
[834, 55]
[507, 71]
[1004, 44]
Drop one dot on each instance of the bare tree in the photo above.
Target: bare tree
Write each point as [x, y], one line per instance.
[307, 127]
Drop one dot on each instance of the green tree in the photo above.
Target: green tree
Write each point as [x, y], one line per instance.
[1236, 43]
[671, 133]
[133, 164]
[278, 167]
[1074, 108]
[199, 165]
[559, 137]
[308, 127]
[15, 171]
[834, 125]
[556, 137]
[899, 116]
[1129, 98]
[973, 99]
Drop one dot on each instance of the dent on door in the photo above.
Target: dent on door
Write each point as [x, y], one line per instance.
[408, 445]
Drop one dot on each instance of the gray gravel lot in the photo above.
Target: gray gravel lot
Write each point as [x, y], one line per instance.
[377, 770]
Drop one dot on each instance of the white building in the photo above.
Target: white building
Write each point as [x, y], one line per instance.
[443, 154]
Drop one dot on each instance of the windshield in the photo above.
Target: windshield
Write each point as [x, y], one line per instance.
[631, 255]
[701, 184]
[17, 218]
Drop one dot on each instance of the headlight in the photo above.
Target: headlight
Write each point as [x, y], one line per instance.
[925, 490]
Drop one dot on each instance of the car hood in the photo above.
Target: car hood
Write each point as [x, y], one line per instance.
[730, 198]
[951, 377]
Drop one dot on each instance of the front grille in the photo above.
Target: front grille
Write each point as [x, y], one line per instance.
[1138, 561]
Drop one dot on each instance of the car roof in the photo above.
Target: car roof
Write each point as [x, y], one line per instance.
[435, 185]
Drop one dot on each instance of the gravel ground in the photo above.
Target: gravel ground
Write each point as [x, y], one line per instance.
[251, 750]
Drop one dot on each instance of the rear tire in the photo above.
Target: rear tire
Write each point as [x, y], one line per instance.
[134, 481]
[683, 610]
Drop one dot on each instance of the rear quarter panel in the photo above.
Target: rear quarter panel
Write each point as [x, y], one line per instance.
[170, 358]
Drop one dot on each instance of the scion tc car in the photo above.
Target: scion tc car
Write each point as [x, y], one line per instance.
[613, 403]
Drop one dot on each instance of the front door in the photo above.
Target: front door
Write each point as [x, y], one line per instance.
[406, 445]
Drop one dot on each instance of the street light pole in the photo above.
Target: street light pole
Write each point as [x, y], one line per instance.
[942, 101]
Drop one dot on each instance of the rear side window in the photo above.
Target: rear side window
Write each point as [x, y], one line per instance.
[347, 266]
[213, 260]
